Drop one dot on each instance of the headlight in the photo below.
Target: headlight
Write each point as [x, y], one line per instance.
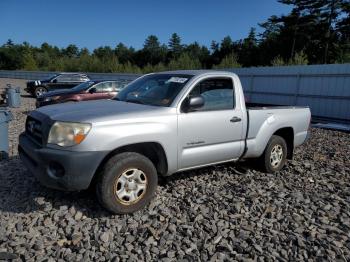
[68, 134]
[51, 98]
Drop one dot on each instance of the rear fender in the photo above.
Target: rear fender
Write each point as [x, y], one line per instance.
[256, 145]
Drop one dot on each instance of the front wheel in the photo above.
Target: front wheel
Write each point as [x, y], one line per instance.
[40, 90]
[127, 183]
[275, 155]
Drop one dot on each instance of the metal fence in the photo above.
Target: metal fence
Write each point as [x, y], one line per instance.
[35, 75]
[324, 88]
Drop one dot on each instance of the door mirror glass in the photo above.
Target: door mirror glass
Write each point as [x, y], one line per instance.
[194, 102]
[93, 90]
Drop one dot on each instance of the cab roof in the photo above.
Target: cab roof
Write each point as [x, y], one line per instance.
[195, 72]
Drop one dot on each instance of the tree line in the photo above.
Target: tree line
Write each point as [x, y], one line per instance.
[314, 32]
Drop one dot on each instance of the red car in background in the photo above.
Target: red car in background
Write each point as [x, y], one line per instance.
[90, 90]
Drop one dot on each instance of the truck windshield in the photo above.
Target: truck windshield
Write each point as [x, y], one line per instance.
[156, 89]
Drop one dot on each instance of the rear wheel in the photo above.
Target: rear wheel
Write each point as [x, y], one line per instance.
[275, 155]
[127, 183]
[40, 90]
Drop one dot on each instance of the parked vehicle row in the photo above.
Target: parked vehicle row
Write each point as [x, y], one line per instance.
[158, 125]
[59, 81]
[90, 90]
[72, 87]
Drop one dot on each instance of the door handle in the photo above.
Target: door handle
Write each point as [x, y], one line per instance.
[235, 119]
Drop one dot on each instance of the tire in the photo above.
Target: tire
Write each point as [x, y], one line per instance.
[39, 90]
[274, 157]
[127, 183]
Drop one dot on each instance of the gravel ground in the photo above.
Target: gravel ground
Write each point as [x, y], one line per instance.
[213, 214]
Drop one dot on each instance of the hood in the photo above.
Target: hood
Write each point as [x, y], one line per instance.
[100, 110]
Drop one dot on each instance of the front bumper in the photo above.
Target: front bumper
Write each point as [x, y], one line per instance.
[59, 169]
[29, 88]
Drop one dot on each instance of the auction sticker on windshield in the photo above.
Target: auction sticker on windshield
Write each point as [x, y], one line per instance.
[180, 80]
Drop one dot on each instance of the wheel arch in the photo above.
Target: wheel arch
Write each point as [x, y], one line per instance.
[152, 150]
[287, 133]
[40, 86]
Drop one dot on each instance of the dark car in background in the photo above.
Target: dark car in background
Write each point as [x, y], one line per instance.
[90, 90]
[59, 81]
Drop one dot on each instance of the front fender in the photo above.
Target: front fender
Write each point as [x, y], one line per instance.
[108, 137]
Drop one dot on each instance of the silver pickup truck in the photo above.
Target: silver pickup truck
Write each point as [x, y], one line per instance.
[160, 124]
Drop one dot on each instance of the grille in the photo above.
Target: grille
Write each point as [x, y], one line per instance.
[34, 130]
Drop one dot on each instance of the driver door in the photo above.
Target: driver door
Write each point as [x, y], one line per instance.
[99, 94]
[60, 82]
[210, 135]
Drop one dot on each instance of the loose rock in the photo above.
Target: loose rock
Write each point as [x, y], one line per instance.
[214, 213]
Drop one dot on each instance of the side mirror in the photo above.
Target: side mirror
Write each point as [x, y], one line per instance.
[93, 90]
[194, 102]
[54, 81]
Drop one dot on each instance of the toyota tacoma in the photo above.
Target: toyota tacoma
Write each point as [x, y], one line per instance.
[158, 125]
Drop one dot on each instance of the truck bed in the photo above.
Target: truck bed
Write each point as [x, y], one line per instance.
[265, 120]
[256, 106]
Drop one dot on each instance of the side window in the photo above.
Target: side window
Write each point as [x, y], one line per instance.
[61, 78]
[99, 87]
[119, 85]
[218, 94]
[75, 78]
[83, 78]
[116, 86]
[108, 87]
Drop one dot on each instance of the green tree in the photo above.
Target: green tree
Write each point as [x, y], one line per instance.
[310, 26]
[199, 52]
[175, 46]
[249, 50]
[229, 61]
[84, 52]
[103, 52]
[124, 53]
[343, 28]
[29, 62]
[226, 46]
[128, 67]
[300, 58]
[152, 53]
[278, 61]
[9, 43]
[111, 65]
[71, 51]
[11, 56]
[184, 61]
[214, 46]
